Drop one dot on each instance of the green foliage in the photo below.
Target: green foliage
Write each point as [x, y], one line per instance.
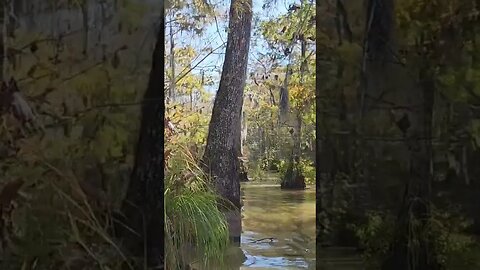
[448, 231]
[191, 128]
[452, 245]
[191, 213]
[195, 228]
[307, 167]
[256, 172]
[77, 168]
[282, 167]
[269, 139]
[375, 237]
[282, 30]
[304, 165]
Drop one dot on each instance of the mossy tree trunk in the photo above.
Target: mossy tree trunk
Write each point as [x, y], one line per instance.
[294, 178]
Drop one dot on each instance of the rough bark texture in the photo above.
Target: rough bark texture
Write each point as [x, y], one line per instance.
[294, 178]
[378, 84]
[143, 206]
[386, 80]
[416, 202]
[223, 141]
[243, 177]
[3, 37]
[86, 27]
[171, 92]
[243, 136]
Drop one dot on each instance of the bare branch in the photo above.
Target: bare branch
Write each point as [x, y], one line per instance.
[185, 72]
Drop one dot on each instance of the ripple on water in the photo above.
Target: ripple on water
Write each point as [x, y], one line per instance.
[286, 216]
[264, 262]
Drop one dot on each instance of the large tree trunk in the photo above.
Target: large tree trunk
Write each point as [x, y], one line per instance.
[294, 178]
[143, 206]
[411, 247]
[171, 93]
[4, 6]
[415, 209]
[329, 159]
[223, 141]
[86, 26]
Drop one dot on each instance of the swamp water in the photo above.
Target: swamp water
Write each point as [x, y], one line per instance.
[278, 227]
[278, 232]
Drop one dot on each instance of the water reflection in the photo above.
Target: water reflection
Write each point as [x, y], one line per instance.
[278, 227]
[279, 233]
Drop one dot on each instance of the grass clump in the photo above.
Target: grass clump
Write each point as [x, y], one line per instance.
[193, 222]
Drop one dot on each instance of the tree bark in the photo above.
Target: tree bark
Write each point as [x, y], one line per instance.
[86, 26]
[3, 36]
[417, 199]
[293, 178]
[223, 141]
[243, 135]
[411, 247]
[171, 92]
[143, 206]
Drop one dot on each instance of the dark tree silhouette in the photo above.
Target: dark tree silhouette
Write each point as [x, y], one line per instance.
[382, 77]
[143, 206]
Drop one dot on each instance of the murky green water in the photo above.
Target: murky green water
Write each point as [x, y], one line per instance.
[286, 222]
[279, 233]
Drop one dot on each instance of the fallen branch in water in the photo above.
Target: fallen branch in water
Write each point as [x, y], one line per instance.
[261, 239]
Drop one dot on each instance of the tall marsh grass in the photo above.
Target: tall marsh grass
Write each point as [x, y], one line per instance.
[193, 221]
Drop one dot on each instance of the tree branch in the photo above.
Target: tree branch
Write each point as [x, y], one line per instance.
[186, 72]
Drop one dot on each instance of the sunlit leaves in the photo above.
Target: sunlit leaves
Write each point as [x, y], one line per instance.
[283, 35]
[191, 127]
[184, 55]
[286, 29]
[190, 17]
